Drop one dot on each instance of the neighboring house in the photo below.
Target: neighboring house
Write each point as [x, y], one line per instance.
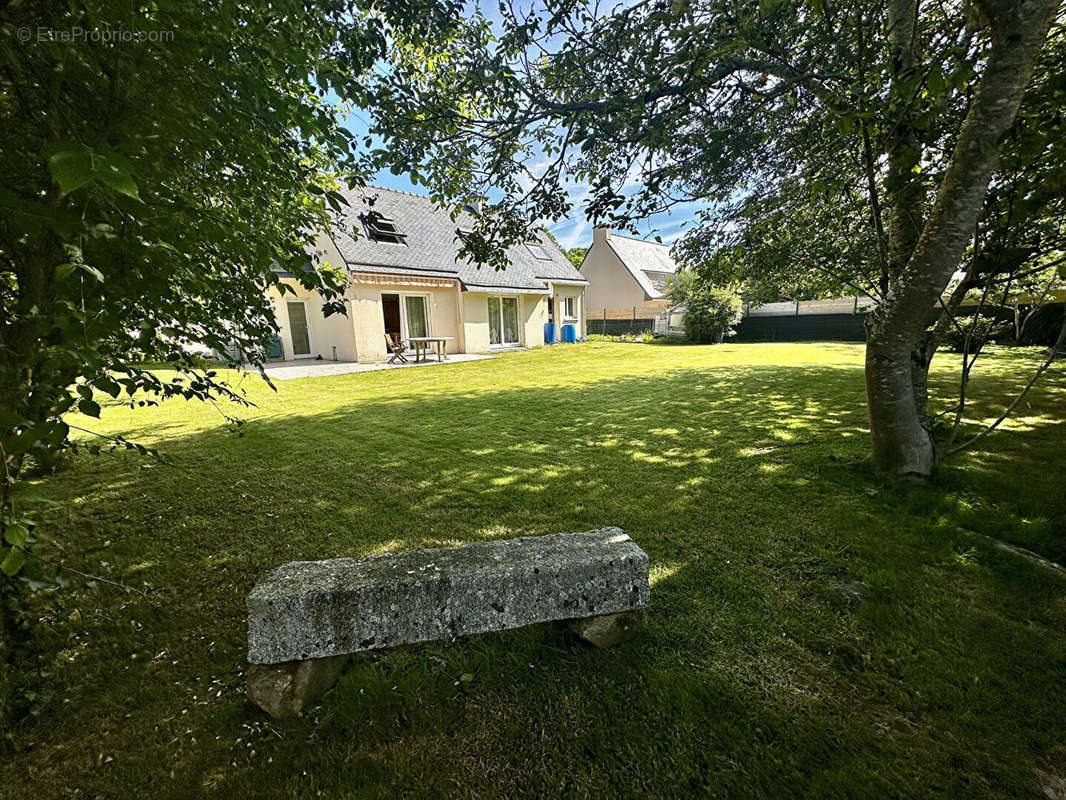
[404, 278]
[625, 273]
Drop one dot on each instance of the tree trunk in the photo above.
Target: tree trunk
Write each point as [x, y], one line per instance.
[905, 184]
[895, 392]
[897, 349]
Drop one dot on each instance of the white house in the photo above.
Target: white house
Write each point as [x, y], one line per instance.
[626, 273]
[405, 279]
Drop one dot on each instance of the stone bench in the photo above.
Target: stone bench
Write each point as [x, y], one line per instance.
[306, 617]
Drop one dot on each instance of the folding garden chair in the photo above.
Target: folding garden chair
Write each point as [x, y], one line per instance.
[395, 347]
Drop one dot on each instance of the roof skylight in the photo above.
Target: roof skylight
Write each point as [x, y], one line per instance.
[538, 251]
[383, 229]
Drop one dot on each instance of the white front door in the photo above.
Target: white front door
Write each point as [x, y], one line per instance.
[299, 329]
[503, 321]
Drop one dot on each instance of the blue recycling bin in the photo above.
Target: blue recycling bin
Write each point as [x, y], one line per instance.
[549, 333]
[569, 334]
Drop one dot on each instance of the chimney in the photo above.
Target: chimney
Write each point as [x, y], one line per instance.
[475, 204]
[601, 235]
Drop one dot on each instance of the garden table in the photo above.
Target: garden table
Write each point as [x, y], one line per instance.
[422, 344]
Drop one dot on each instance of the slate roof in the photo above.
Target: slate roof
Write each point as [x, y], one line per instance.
[640, 257]
[432, 247]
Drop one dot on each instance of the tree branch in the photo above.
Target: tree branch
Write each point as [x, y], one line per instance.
[1021, 396]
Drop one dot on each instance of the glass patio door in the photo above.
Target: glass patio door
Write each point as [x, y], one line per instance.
[503, 321]
[416, 317]
[299, 330]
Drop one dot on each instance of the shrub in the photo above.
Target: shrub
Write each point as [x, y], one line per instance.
[711, 314]
[988, 329]
[680, 286]
[645, 335]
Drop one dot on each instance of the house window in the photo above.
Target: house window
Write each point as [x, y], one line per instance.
[569, 307]
[383, 229]
[538, 251]
[416, 315]
[658, 280]
[299, 329]
[503, 321]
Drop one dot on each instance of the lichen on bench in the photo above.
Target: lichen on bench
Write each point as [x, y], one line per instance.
[311, 610]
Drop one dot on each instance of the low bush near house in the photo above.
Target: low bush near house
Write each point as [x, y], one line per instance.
[711, 314]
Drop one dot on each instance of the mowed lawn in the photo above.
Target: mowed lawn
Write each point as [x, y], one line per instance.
[810, 633]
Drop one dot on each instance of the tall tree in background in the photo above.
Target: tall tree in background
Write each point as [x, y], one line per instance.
[576, 255]
[893, 112]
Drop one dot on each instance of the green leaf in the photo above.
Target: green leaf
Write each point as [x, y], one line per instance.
[13, 562]
[108, 384]
[89, 408]
[936, 81]
[93, 271]
[16, 534]
[117, 172]
[64, 271]
[57, 434]
[71, 164]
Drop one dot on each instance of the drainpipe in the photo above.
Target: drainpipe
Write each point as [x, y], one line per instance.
[554, 304]
[460, 323]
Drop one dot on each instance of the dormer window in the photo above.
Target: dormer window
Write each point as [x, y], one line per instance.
[538, 251]
[658, 280]
[383, 229]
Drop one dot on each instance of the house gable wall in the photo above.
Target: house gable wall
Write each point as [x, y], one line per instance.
[611, 285]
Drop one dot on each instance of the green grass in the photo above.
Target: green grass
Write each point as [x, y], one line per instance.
[740, 469]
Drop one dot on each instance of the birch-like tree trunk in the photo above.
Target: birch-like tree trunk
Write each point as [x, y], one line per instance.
[898, 348]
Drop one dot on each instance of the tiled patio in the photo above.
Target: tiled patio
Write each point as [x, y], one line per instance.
[308, 368]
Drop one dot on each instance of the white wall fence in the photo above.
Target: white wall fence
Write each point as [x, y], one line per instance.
[837, 305]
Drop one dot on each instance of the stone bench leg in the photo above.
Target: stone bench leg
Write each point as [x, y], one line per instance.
[609, 629]
[284, 690]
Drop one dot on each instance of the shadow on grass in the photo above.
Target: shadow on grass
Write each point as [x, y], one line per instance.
[758, 675]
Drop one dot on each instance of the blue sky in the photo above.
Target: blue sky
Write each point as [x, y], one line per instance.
[574, 230]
